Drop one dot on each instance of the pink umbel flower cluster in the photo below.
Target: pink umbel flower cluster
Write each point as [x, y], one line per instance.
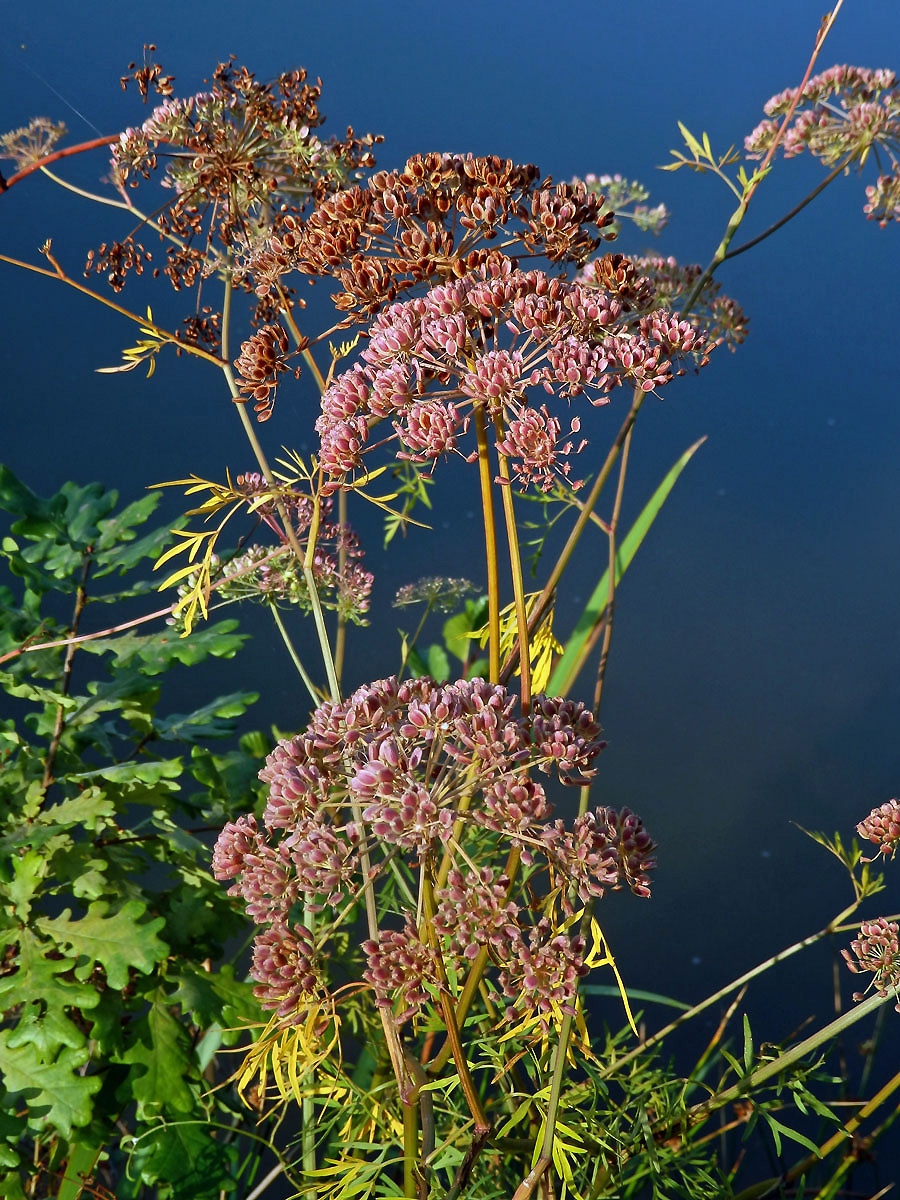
[721, 318]
[487, 342]
[876, 951]
[844, 111]
[882, 826]
[397, 777]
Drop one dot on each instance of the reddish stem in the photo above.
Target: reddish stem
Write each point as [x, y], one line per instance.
[6, 184]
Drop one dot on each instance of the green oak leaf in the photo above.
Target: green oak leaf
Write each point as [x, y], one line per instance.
[185, 1155]
[154, 653]
[39, 977]
[218, 997]
[62, 1097]
[140, 772]
[48, 1031]
[106, 1023]
[163, 1049]
[115, 940]
[88, 810]
[28, 871]
[11, 1184]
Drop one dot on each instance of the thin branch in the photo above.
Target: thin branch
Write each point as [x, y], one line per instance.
[162, 334]
[66, 152]
[60, 723]
[845, 162]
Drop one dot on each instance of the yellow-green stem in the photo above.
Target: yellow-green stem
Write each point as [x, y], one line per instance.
[544, 600]
[741, 211]
[476, 972]
[515, 565]
[295, 659]
[490, 545]
[453, 1036]
[163, 334]
[290, 534]
[340, 638]
[584, 795]
[129, 208]
[759, 969]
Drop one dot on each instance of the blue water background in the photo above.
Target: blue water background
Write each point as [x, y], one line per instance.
[754, 681]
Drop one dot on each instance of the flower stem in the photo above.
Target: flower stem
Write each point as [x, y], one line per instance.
[740, 212]
[476, 971]
[289, 645]
[490, 545]
[289, 532]
[482, 1124]
[761, 237]
[129, 208]
[770, 1069]
[544, 599]
[66, 152]
[759, 969]
[515, 564]
[163, 334]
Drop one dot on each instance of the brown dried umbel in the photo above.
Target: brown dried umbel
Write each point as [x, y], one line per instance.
[262, 360]
[237, 161]
[148, 75]
[440, 217]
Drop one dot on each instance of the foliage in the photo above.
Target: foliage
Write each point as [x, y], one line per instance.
[115, 991]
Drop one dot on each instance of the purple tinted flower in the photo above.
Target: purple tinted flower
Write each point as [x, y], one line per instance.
[473, 911]
[567, 736]
[399, 964]
[233, 844]
[876, 950]
[286, 967]
[267, 884]
[432, 361]
[542, 977]
[882, 826]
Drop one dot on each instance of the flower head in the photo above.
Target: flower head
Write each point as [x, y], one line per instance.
[876, 950]
[440, 217]
[843, 113]
[237, 160]
[882, 826]
[403, 773]
[431, 362]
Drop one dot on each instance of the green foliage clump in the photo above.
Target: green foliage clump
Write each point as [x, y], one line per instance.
[114, 994]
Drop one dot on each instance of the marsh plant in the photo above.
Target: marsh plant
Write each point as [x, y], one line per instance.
[421, 880]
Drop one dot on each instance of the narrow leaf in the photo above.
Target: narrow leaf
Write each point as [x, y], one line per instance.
[569, 665]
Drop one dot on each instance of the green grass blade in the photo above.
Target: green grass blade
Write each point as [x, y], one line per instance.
[569, 665]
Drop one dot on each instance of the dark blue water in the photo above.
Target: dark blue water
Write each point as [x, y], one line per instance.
[755, 672]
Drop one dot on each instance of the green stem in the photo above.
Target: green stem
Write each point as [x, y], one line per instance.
[289, 645]
[771, 1069]
[476, 971]
[761, 237]
[606, 619]
[308, 1107]
[340, 637]
[410, 1147]
[759, 969]
[107, 200]
[741, 211]
[269, 477]
[410, 645]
